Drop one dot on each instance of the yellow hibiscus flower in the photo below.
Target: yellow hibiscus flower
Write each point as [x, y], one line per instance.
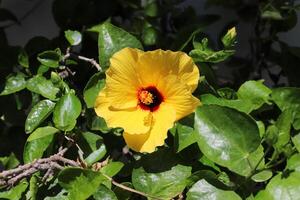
[145, 93]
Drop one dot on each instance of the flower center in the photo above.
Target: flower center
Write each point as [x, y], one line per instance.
[149, 98]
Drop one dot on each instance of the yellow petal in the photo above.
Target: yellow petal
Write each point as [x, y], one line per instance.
[122, 81]
[157, 64]
[133, 120]
[178, 96]
[163, 120]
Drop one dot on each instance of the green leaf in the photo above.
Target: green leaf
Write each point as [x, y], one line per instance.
[293, 163]
[112, 39]
[283, 125]
[23, 59]
[59, 196]
[149, 36]
[288, 98]
[38, 142]
[14, 84]
[272, 14]
[80, 183]
[203, 190]
[33, 188]
[104, 193]
[228, 137]
[15, 192]
[38, 114]
[50, 58]
[164, 185]
[9, 162]
[66, 111]
[296, 141]
[207, 55]
[92, 89]
[73, 37]
[255, 92]
[42, 86]
[262, 176]
[238, 104]
[93, 147]
[183, 136]
[112, 168]
[281, 188]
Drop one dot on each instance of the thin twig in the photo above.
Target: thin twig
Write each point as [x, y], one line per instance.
[130, 189]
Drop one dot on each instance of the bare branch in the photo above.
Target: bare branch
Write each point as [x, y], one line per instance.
[13, 176]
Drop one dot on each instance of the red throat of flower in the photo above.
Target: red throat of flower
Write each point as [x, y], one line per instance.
[149, 98]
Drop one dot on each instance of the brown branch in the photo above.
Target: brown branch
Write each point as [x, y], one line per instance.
[54, 162]
[89, 60]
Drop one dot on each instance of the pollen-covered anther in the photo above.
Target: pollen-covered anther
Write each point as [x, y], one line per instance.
[146, 97]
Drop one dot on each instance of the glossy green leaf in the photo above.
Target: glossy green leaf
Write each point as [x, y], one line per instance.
[203, 190]
[293, 163]
[112, 168]
[104, 193]
[255, 92]
[14, 84]
[262, 176]
[16, 192]
[49, 58]
[23, 59]
[164, 185]
[73, 37]
[38, 142]
[281, 188]
[112, 39]
[66, 111]
[33, 187]
[238, 104]
[80, 183]
[38, 114]
[42, 86]
[92, 89]
[228, 137]
[93, 147]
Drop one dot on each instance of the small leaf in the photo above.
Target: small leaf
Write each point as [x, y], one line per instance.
[296, 141]
[14, 84]
[283, 125]
[38, 142]
[80, 183]
[104, 193]
[73, 37]
[9, 162]
[66, 111]
[38, 114]
[262, 176]
[112, 39]
[49, 58]
[42, 86]
[164, 185]
[207, 55]
[255, 92]
[92, 89]
[33, 187]
[228, 137]
[93, 147]
[229, 38]
[23, 59]
[112, 168]
[184, 136]
[293, 163]
[203, 190]
[15, 192]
